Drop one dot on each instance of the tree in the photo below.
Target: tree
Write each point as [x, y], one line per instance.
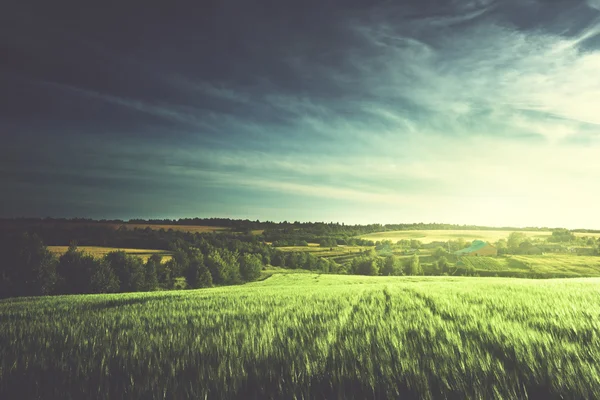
[27, 267]
[128, 269]
[217, 267]
[514, 240]
[366, 266]
[413, 267]
[102, 277]
[562, 235]
[501, 245]
[278, 259]
[74, 270]
[151, 270]
[165, 274]
[439, 252]
[250, 267]
[391, 266]
[182, 261]
[415, 244]
[442, 265]
[197, 274]
[457, 244]
[204, 278]
[223, 267]
[323, 265]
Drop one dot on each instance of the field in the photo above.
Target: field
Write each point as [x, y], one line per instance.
[70, 224]
[326, 251]
[428, 236]
[549, 265]
[310, 336]
[181, 228]
[98, 251]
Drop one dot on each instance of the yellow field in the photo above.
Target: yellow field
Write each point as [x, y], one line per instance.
[428, 236]
[74, 225]
[316, 250]
[98, 251]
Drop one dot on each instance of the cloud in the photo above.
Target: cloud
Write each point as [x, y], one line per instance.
[595, 4]
[487, 74]
[428, 117]
[175, 113]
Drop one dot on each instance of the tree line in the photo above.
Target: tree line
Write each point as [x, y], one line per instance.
[28, 268]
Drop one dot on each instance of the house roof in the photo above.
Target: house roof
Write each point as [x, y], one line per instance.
[476, 245]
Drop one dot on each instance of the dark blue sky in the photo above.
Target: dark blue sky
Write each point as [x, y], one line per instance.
[474, 111]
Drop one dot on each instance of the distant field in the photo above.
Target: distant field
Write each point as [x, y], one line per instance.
[270, 271]
[181, 228]
[428, 236]
[73, 225]
[325, 251]
[98, 251]
[560, 265]
[313, 337]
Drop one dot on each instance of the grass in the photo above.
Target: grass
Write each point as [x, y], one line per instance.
[98, 251]
[310, 336]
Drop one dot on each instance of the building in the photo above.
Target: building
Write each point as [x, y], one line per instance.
[478, 248]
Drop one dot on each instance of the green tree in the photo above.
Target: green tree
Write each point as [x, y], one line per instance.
[391, 266]
[74, 271]
[514, 240]
[27, 267]
[278, 259]
[197, 274]
[442, 265]
[502, 246]
[102, 277]
[250, 267]
[204, 278]
[128, 269]
[223, 267]
[415, 244]
[151, 270]
[165, 274]
[562, 235]
[439, 252]
[413, 267]
[217, 267]
[365, 266]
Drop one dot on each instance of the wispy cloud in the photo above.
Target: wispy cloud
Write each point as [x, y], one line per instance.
[420, 116]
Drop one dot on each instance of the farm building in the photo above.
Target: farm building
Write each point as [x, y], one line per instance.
[478, 248]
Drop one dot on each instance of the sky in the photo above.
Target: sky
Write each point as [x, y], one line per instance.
[470, 112]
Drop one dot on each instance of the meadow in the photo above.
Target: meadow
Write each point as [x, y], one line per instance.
[428, 236]
[310, 336]
[98, 251]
